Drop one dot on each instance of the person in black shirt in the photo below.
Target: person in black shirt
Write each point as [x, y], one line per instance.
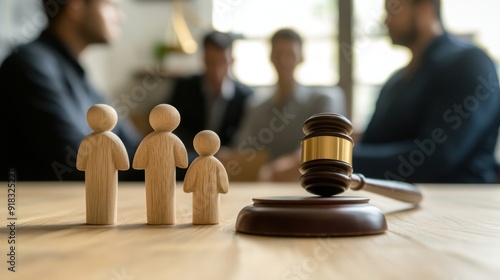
[47, 93]
[437, 119]
[211, 100]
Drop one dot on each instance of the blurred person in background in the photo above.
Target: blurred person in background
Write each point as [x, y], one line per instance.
[275, 124]
[437, 119]
[48, 92]
[211, 100]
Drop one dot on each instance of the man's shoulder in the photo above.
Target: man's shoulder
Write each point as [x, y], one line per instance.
[472, 54]
[323, 92]
[30, 55]
[316, 94]
[456, 54]
[319, 99]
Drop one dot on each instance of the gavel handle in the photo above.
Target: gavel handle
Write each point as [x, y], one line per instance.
[393, 189]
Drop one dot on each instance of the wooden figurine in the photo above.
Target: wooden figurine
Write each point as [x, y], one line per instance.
[206, 178]
[101, 154]
[159, 153]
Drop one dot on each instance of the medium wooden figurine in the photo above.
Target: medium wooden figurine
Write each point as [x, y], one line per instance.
[101, 154]
[206, 178]
[159, 153]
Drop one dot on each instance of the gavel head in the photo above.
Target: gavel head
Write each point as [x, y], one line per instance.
[326, 166]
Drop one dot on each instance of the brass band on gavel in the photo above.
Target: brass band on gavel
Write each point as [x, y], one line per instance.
[327, 147]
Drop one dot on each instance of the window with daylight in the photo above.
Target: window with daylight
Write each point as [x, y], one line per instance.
[255, 21]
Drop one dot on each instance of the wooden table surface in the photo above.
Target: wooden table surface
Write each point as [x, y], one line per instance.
[454, 235]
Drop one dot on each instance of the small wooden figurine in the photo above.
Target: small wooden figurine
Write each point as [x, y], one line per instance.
[206, 178]
[101, 154]
[159, 153]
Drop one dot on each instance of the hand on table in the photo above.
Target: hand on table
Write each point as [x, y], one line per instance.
[284, 169]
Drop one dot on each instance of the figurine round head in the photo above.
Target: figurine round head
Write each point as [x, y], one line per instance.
[206, 143]
[164, 117]
[102, 117]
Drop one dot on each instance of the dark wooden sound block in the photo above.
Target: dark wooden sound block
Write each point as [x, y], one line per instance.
[311, 216]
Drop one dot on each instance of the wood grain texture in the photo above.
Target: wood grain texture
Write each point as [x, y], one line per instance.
[455, 234]
[159, 153]
[101, 154]
[206, 178]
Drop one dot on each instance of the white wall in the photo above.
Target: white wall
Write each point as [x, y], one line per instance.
[112, 67]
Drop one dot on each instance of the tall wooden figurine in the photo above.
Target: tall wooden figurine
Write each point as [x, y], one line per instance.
[206, 178]
[101, 155]
[159, 153]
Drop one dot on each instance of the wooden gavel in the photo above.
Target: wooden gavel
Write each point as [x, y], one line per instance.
[327, 162]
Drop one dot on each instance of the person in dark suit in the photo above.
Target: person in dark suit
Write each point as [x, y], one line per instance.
[47, 93]
[211, 100]
[437, 119]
